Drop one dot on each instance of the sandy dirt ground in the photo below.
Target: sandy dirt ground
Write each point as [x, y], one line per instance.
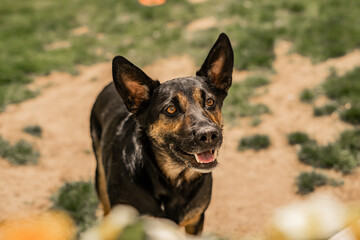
[248, 186]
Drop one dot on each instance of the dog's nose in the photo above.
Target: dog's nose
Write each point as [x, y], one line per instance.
[207, 135]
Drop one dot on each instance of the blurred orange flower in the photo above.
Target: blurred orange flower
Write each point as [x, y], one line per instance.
[47, 226]
[152, 2]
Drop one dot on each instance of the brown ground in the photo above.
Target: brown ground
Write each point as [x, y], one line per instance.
[248, 186]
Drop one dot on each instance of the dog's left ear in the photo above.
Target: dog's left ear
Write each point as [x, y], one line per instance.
[218, 65]
[133, 85]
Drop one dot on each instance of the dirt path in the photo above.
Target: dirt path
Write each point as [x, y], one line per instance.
[248, 186]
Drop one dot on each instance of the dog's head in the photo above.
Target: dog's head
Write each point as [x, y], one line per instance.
[182, 117]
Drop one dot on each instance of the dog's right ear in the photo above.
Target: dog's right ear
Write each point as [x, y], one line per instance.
[133, 85]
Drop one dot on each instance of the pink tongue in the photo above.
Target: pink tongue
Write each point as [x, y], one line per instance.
[206, 157]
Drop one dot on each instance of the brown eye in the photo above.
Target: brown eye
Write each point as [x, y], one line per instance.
[209, 102]
[171, 109]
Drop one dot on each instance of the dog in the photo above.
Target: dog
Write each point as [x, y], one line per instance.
[156, 144]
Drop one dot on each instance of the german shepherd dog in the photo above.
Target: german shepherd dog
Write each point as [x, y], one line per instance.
[156, 144]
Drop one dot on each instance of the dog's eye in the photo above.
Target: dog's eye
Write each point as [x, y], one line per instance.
[171, 109]
[210, 102]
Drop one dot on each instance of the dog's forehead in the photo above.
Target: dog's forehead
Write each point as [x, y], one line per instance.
[185, 85]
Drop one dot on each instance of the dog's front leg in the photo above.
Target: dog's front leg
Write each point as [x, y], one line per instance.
[194, 225]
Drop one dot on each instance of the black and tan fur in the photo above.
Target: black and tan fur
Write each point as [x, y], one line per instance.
[145, 152]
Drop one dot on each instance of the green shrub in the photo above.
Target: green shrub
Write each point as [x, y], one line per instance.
[345, 90]
[329, 156]
[21, 153]
[80, 201]
[298, 138]
[256, 81]
[4, 147]
[307, 96]
[34, 130]
[351, 115]
[255, 121]
[308, 181]
[256, 142]
[350, 139]
[327, 109]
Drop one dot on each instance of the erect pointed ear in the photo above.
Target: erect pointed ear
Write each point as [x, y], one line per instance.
[218, 65]
[133, 85]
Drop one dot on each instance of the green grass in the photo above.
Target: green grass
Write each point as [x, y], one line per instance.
[330, 156]
[298, 138]
[325, 110]
[345, 90]
[351, 115]
[79, 200]
[133, 232]
[350, 139]
[34, 130]
[255, 121]
[256, 81]
[320, 28]
[256, 142]
[307, 182]
[237, 102]
[342, 155]
[21, 153]
[30, 33]
[307, 96]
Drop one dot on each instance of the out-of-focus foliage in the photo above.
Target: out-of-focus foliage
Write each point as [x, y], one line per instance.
[49, 225]
[79, 200]
[36, 38]
[21, 153]
[256, 142]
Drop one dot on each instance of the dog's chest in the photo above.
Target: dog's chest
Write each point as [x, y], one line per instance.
[183, 202]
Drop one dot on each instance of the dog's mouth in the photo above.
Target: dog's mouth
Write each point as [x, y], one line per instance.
[205, 157]
[204, 161]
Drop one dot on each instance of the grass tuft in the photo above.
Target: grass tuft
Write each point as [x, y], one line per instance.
[345, 90]
[34, 130]
[330, 156]
[307, 96]
[298, 138]
[351, 115]
[325, 110]
[342, 155]
[22, 153]
[256, 81]
[80, 201]
[256, 142]
[350, 139]
[255, 121]
[308, 181]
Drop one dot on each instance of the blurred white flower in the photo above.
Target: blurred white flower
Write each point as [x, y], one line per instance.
[113, 224]
[318, 217]
[162, 229]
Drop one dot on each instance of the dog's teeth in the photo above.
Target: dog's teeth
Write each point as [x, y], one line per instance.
[197, 159]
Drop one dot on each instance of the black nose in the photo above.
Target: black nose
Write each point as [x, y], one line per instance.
[207, 135]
